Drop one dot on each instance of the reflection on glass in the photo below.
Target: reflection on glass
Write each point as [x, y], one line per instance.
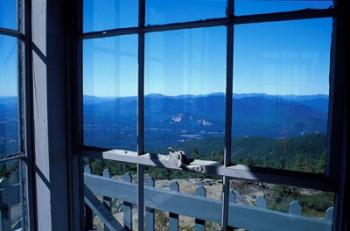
[171, 11]
[109, 14]
[10, 200]
[110, 89]
[111, 174]
[281, 88]
[286, 204]
[244, 7]
[8, 14]
[159, 181]
[9, 137]
[184, 92]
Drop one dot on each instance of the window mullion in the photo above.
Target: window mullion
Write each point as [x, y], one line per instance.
[26, 115]
[10, 32]
[228, 115]
[140, 115]
[337, 163]
[245, 19]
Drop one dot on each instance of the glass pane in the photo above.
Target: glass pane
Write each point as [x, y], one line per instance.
[109, 14]
[171, 11]
[10, 190]
[270, 206]
[110, 89]
[281, 88]
[8, 14]
[111, 175]
[184, 88]
[9, 125]
[244, 7]
[178, 196]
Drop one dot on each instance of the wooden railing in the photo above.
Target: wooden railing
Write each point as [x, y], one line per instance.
[196, 205]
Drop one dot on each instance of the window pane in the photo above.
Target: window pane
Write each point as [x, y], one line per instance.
[244, 7]
[105, 176]
[270, 206]
[170, 11]
[8, 14]
[281, 89]
[184, 88]
[109, 14]
[110, 89]
[9, 126]
[11, 199]
[185, 194]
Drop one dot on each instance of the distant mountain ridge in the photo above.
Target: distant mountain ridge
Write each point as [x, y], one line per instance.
[319, 101]
[235, 95]
[8, 125]
[112, 121]
[171, 119]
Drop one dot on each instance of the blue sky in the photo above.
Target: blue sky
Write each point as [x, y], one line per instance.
[8, 50]
[274, 58]
[283, 58]
[8, 66]
[8, 16]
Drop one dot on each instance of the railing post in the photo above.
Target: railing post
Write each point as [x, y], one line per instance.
[174, 218]
[232, 199]
[149, 211]
[261, 202]
[200, 224]
[127, 206]
[107, 201]
[89, 216]
[295, 208]
[329, 214]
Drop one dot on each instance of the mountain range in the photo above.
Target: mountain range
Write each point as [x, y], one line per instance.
[8, 125]
[172, 119]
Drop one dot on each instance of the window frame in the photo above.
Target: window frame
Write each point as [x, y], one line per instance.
[24, 85]
[325, 182]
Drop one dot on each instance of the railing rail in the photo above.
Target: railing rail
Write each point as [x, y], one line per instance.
[200, 207]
